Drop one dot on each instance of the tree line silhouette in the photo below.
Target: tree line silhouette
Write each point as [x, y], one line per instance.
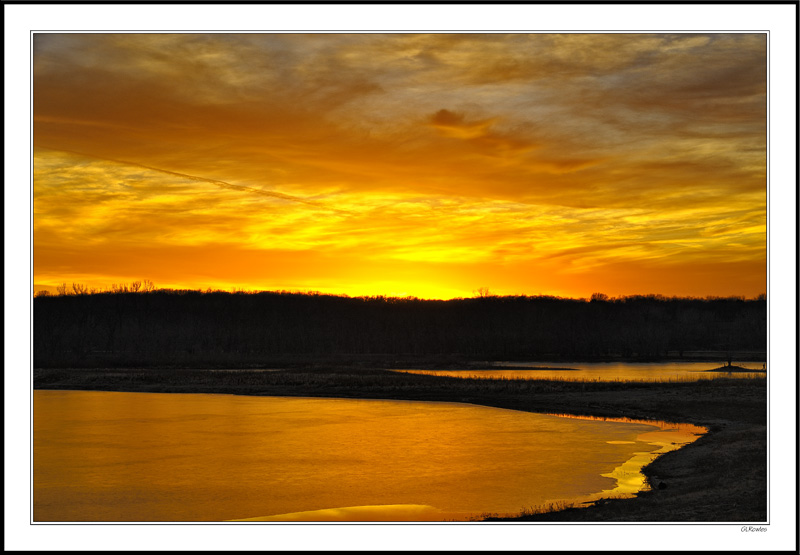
[162, 327]
[145, 286]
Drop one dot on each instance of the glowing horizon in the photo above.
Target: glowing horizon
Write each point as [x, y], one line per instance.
[424, 165]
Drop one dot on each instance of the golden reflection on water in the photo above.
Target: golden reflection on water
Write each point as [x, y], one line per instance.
[668, 437]
[372, 513]
[130, 457]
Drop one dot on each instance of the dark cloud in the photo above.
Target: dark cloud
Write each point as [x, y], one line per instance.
[447, 118]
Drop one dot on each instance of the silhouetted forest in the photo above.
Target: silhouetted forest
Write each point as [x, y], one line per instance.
[207, 329]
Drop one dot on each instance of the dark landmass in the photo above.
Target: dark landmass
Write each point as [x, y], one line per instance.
[274, 329]
[733, 369]
[721, 477]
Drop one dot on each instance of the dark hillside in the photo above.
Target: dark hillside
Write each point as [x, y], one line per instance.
[190, 328]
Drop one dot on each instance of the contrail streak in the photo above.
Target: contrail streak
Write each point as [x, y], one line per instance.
[216, 182]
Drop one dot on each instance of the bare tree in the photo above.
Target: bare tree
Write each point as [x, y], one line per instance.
[80, 289]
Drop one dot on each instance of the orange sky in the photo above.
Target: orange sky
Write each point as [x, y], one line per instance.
[402, 164]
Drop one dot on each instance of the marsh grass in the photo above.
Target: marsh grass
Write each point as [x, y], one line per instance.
[533, 510]
[698, 376]
[345, 378]
[547, 508]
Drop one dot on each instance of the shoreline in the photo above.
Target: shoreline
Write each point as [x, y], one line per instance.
[721, 476]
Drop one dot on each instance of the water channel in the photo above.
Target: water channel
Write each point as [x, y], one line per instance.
[606, 371]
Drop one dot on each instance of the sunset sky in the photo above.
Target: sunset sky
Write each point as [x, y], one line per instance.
[402, 164]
